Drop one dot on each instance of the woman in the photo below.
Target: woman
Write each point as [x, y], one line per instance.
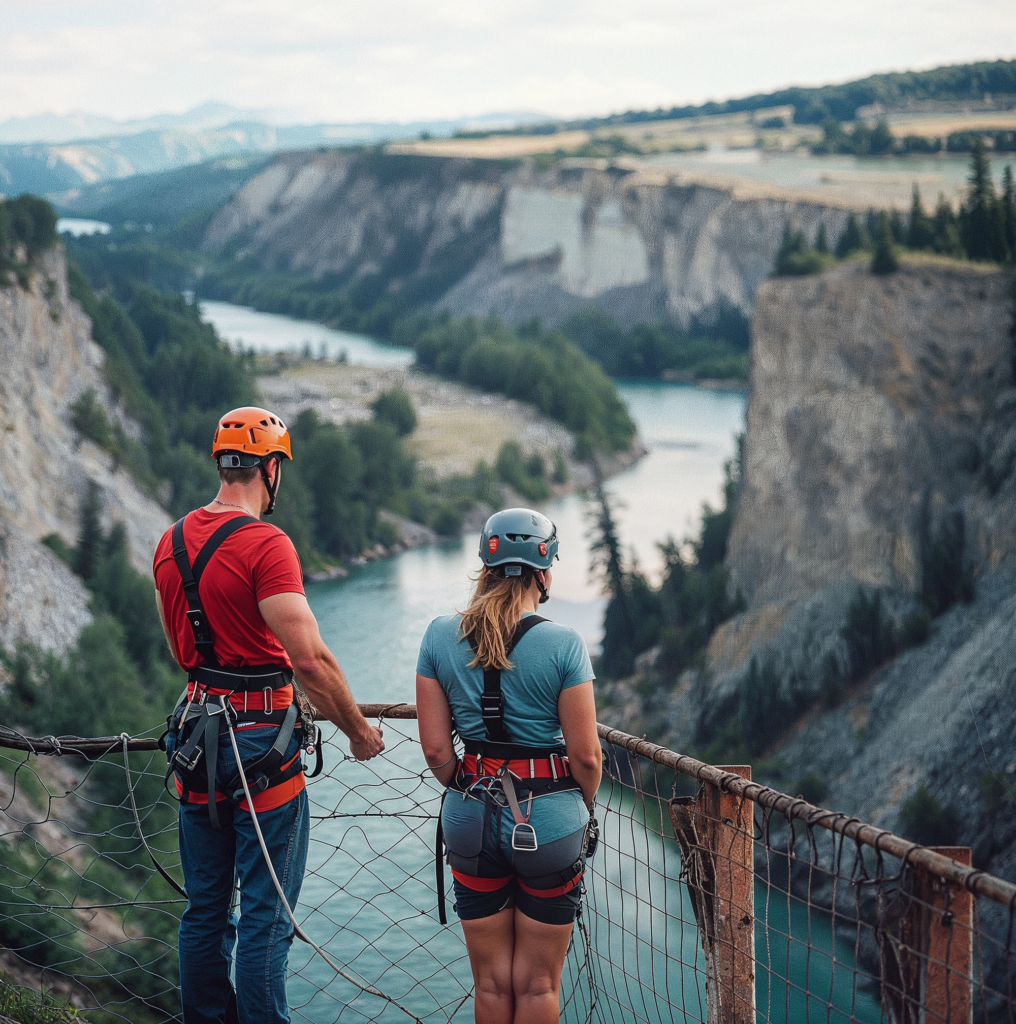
[517, 816]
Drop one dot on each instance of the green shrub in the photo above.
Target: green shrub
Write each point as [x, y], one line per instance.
[447, 519]
[944, 580]
[916, 628]
[832, 680]
[926, 820]
[394, 406]
[25, 1006]
[524, 475]
[994, 791]
[796, 258]
[853, 239]
[885, 260]
[868, 632]
[89, 419]
[764, 712]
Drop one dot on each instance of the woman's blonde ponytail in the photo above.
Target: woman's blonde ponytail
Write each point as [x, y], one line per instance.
[494, 611]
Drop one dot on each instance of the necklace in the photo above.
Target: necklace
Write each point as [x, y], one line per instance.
[233, 504]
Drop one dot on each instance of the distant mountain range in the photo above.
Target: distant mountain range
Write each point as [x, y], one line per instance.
[56, 155]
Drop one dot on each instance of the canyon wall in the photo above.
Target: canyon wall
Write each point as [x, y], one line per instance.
[48, 360]
[878, 406]
[881, 416]
[493, 237]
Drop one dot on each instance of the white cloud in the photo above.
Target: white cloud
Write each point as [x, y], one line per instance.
[409, 59]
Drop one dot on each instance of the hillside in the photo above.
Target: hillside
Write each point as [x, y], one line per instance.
[494, 238]
[873, 546]
[49, 360]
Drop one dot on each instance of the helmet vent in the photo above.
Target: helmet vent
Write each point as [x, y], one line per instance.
[264, 423]
[515, 537]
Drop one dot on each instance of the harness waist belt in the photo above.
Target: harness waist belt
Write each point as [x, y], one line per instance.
[246, 677]
[510, 751]
[252, 700]
[552, 767]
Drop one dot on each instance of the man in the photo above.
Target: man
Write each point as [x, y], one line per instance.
[230, 594]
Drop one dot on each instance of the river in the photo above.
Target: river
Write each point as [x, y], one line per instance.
[373, 621]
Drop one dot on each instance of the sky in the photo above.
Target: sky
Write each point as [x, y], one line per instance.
[406, 60]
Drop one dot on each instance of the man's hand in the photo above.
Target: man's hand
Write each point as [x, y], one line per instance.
[369, 746]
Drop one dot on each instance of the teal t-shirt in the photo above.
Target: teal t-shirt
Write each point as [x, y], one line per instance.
[547, 660]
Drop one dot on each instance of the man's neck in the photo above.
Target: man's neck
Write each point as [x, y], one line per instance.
[231, 499]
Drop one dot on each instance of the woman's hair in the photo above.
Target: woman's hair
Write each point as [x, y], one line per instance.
[493, 613]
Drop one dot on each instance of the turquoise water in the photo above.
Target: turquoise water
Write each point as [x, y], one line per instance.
[369, 892]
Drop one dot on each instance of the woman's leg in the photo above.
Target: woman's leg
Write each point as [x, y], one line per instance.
[540, 950]
[491, 944]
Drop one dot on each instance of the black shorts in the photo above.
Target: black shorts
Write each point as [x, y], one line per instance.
[489, 876]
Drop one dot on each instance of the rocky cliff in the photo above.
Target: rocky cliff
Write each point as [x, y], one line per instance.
[475, 236]
[875, 409]
[48, 359]
[880, 447]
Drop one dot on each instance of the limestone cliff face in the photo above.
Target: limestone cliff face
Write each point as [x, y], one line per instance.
[875, 408]
[47, 359]
[879, 409]
[486, 237]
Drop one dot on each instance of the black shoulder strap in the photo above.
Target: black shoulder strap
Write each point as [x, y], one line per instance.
[492, 699]
[191, 577]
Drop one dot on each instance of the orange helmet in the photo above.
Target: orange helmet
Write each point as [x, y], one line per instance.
[251, 431]
[250, 437]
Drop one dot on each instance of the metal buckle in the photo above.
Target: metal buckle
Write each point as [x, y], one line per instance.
[524, 837]
[491, 705]
[553, 765]
[269, 707]
[189, 763]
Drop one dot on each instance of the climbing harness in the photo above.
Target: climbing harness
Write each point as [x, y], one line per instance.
[194, 759]
[493, 765]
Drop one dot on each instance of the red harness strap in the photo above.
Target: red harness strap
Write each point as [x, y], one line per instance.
[559, 890]
[478, 884]
[552, 767]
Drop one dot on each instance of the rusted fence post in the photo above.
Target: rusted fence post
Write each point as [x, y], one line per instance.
[715, 831]
[927, 964]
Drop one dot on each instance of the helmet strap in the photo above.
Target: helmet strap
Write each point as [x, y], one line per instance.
[544, 596]
[272, 490]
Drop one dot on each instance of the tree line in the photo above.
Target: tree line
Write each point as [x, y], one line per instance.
[984, 228]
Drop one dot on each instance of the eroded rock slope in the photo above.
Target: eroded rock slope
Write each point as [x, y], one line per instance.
[48, 359]
[476, 236]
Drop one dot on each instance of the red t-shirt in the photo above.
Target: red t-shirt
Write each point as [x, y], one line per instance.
[257, 561]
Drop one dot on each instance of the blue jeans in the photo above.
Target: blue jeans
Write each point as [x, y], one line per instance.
[211, 859]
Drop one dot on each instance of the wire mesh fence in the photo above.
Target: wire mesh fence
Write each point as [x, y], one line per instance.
[711, 898]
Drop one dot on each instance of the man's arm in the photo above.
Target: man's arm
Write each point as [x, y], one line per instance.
[165, 628]
[289, 617]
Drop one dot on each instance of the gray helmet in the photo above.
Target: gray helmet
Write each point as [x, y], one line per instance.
[518, 536]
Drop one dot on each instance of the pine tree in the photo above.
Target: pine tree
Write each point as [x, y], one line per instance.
[981, 228]
[854, 238]
[89, 549]
[897, 227]
[946, 230]
[920, 231]
[1008, 202]
[822, 240]
[885, 260]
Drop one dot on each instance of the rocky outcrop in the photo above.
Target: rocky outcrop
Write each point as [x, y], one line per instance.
[875, 408]
[48, 359]
[880, 410]
[489, 237]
